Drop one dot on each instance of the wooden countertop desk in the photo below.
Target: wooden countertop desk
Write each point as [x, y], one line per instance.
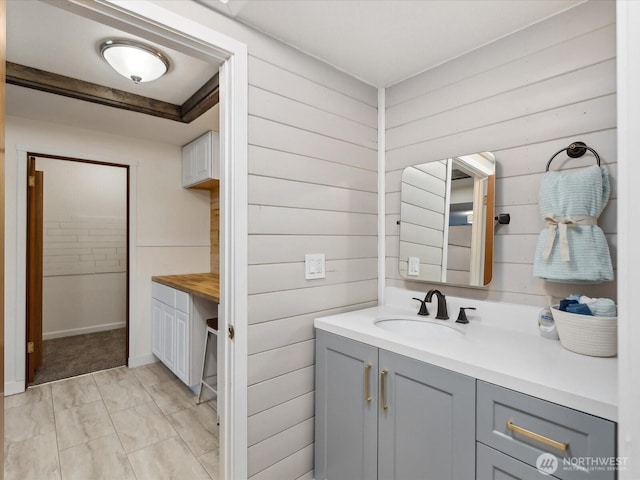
[205, 285]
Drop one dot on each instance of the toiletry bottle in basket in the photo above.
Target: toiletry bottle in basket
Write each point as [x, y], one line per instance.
[545, 322]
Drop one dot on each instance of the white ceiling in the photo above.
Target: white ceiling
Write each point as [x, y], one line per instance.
[52, 39]
[378, 41]
[49, 38]
[384, 41]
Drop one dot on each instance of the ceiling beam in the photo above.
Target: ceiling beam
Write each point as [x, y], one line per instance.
[201, 101]
[205, 97]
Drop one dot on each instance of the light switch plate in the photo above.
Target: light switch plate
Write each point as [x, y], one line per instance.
[314, 266]
[414, 266]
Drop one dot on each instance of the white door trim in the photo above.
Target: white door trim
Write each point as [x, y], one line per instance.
[382, 179]
[151, 20]
[628, 96]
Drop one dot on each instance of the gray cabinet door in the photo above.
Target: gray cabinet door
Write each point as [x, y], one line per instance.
[346, 414]
[427, 430]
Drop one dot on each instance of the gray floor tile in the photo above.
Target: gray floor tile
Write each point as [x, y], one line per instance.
[113, 375]
[33, 459]
[211, 462]
[141, 426]
[74, 392]
[28, 420]
[78, 425]
[123, 394]
[99, 459]
[82, 428]
[197, 427]
[167, 460]
[172, 396]
[153, 374]
[32, 394]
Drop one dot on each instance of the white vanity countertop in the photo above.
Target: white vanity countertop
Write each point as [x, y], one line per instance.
[500, 345]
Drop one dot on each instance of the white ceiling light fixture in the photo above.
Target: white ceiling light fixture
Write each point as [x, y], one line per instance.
[135, 61]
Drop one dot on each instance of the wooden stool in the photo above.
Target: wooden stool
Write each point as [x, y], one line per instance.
[211, 382]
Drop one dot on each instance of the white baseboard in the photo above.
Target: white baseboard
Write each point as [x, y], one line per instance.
[83, 330]
[142, 360]
[13, 388]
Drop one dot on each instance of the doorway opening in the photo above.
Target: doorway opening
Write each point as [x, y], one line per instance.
[176, 30]
[77, 267]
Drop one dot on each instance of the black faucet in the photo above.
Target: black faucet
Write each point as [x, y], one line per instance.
[423, 306]
[442, 303]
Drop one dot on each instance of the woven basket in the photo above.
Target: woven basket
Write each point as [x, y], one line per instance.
[585, 334]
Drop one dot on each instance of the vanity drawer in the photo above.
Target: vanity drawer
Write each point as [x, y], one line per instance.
[166, 295]
[525, 427]
[493, 465]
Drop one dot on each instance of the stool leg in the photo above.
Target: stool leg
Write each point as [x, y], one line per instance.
[204, 366]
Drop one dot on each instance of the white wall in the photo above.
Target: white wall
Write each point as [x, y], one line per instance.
[312, 189]
[84, 247]
[523, 98]
[172, 223]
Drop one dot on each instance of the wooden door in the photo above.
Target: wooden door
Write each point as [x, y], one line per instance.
[35, 190]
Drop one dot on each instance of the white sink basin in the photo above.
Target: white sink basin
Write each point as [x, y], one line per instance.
[419, 329]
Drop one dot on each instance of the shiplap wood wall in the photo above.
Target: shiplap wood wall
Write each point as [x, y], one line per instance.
[523, 98]
[312, 189]
[312, 160]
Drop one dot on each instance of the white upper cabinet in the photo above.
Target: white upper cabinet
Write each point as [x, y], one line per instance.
[201, 160]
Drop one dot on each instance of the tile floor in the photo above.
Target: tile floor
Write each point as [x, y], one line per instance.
[140, 424]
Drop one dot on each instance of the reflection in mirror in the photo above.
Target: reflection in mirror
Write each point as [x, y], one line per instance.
[446, 220]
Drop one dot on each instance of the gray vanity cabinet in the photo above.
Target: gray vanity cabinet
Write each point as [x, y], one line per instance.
[346, 423]
[382, 415]
[427, 430]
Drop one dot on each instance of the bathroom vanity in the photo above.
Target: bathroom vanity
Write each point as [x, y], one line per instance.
[478, 401]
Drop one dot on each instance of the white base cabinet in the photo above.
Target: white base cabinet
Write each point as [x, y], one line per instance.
[178, 322]
[382, 415]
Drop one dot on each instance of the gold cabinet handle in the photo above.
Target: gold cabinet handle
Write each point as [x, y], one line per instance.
[367, 391]
[383, 400]
[536, 436]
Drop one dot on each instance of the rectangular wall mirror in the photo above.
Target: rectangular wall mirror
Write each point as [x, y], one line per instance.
[447, 220]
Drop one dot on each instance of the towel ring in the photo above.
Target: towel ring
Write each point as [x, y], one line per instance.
[575, 150]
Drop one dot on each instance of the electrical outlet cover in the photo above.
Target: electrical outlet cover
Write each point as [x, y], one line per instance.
[314, 266]
[414, 266]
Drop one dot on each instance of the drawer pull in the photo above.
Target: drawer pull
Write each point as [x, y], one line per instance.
[535, 436]
[383, 399]
[367, 391]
